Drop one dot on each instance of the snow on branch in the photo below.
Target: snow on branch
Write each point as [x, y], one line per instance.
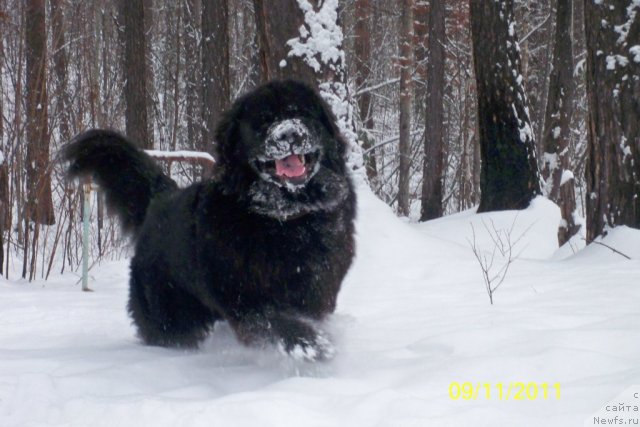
[205, 160]
[321, 37]
[197, 156]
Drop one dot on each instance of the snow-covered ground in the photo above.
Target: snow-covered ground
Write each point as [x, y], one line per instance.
[413, 318]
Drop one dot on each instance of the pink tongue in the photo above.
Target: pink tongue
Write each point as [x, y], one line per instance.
[290, 166]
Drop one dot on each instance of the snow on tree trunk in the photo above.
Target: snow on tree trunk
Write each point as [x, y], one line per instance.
[559, 181]
[303, 39]
[613, 91]
[509, 177]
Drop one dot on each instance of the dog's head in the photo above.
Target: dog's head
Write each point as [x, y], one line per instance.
[279, 150]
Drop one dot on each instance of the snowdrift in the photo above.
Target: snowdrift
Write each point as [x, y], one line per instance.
[413, 320]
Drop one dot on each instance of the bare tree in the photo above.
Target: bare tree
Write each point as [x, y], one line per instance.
[135, 72]
[509, 175]
[432, 206]
[362, 50]
[613, 91]
[4, 167]
[215, 65]
[39, 199]
[59, 55]
[559, 181]
[536, 20]
[406, 70]
[192, 19]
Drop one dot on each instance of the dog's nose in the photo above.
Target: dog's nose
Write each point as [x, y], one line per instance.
[291, 135]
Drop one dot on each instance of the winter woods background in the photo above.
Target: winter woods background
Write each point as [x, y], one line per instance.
[549, 105]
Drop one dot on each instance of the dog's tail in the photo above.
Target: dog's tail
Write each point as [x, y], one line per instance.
[128, 176]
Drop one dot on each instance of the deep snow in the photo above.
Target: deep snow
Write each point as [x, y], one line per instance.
[412, 318]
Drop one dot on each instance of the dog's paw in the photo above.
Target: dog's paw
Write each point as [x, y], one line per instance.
[310, 349]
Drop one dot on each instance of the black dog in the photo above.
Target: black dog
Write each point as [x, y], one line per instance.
[264, 244]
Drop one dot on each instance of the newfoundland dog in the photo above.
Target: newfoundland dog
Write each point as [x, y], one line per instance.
[263, 245]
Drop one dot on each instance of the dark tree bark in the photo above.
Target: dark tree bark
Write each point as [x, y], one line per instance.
[60, 67]
[406, 68]
[4, 163]
[362, 48]
[421, 10]
[559, 182]
[433, 170]
[192, 18]
[215, 66]
[277, 22]
[509, 177]
[613, 91]
[39, 200]
[4, 170]
[135, 72]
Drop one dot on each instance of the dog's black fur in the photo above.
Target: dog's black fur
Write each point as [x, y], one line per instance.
[260, 250]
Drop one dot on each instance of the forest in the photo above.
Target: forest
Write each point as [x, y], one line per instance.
[446, 105]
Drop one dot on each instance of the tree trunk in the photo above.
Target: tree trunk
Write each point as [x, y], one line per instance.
[434, 116]
[4, 170]
[559, 182]
[60, 68]
[406, 69]
[277, 22]
[39, 200]
[4, 154]
[135, 72]
[613, 91]
[509, 177]
[421, 9]
[362, 48]
[193, 113]
[303, 40]
[215, 66]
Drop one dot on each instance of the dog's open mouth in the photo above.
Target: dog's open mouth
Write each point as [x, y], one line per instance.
[295, 169]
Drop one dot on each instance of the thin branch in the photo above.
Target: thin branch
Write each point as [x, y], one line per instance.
[389, 141]
[374, 87]
[536, 28]
[609, 247]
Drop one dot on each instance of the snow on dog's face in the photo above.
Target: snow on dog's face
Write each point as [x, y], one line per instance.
[290, 156]
[279, 150]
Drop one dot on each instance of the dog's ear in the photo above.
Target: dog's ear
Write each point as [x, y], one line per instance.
[227, 132]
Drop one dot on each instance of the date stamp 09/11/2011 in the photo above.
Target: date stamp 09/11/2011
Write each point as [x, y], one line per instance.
[624, 409]
[516, 390]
